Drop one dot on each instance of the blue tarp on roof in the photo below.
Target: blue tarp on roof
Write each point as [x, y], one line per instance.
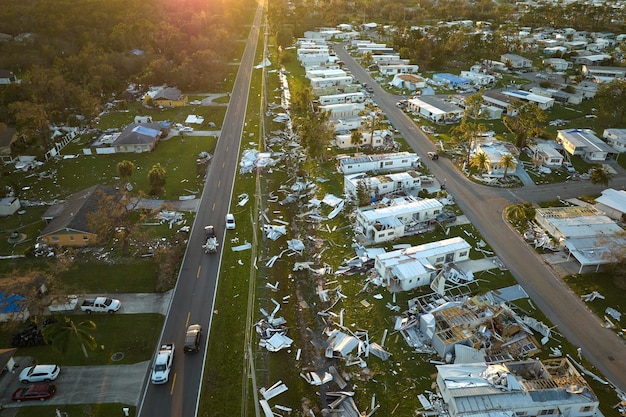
[11, 303]
[146, 131]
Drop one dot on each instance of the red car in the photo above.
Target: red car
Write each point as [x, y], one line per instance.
[39, 392]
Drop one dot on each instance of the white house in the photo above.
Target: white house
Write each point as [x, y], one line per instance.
[516, 62]
[603, 74]
[357, 97]
[584, 143]
[407, 182]
[417, 266]
[544, 103]
[612, 203]
[435, 108]
[616, 138]
[376, 140]
[383, 58]
[324, 82]
[389, 220]
[325, 73]
[347, 124]
[557, 64]
[554, 50]
[498, 100]
[589, 236]
[388, 162]
[478, 78]
[520, 388]
[398, 69]
[546, 154]
[495, 151]
[342, 111]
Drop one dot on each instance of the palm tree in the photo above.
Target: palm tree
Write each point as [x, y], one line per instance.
[125, 170]
[64, 331]
[356, 138]
[156, 178]
[508, 162]
[480, 161]
[520, 214]
[600, 176]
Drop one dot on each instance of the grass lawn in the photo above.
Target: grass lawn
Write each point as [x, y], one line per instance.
[97, 277]
[77, 410]
[605, 284]
[134, 335]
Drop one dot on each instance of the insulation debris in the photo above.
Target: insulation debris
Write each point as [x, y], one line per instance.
[243, 199]
[273, 232]
[592, 296]
[317, 378]
[240, 248]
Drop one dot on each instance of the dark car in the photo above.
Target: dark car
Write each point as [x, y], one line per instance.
[30, 392]
[192, 338]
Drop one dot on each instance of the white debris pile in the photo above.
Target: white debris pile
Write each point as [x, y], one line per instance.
[296, 245]
[273, 232]
[342, 345]
[613, 313]
[268, 394]
[243, 199]
[272, 330]
[252, 159]
[171, 217]
[592, 296]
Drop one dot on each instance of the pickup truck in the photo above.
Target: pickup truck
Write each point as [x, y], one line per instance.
[211, 243]
[100, 305]
[163, 364]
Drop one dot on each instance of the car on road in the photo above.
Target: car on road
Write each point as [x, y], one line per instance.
[192, 338]
[230, 222]
[39, 373]
[433, 155]
[186, 129]
[163, 364]
[41, 392]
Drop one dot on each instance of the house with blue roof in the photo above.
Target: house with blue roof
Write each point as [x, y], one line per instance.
[12, 307]
[452, 81]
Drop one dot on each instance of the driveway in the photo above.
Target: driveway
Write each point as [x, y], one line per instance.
[84, 384]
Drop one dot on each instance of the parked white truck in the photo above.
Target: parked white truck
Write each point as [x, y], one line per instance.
[100, 305]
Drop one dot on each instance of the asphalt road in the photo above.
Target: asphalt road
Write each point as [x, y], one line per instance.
[194, 295]
[484, 207]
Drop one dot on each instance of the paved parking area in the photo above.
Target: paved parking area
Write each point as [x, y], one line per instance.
[83, 384]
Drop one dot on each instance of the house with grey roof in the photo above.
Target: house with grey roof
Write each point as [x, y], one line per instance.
[386, 162]
[435, 109]
[516, 61]
[390, 219]
[134, 138]
[7, 77]
[584, 143]
[417, 266]
[518, 388]
[616, 138]
[612, 203]
[67, 222]
[589, 236]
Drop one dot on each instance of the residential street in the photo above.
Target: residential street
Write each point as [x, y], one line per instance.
[484, 207]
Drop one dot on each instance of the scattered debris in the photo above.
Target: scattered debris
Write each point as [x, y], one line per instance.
[243, 247]
[592, 296]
